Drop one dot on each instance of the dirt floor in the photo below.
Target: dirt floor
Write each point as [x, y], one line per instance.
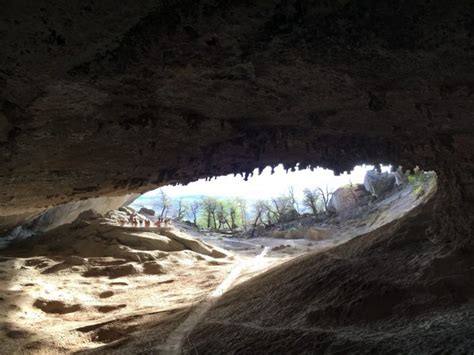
[92, 286]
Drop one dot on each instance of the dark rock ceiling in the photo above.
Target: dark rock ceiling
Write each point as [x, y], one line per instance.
[102, 98]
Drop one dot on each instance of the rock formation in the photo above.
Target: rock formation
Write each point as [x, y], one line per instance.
[347, 199]
[378, 183]
[103, 99]
[99, 99]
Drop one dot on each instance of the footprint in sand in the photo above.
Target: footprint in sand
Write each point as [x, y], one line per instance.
[119, 284]
[56, 307]
[110, 308]
[106, 294]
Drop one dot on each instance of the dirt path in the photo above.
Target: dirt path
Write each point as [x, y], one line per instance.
[178, 337]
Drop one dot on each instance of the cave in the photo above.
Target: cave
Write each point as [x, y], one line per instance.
[103, 101]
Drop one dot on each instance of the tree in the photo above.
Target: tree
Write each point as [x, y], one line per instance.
[313, 198]
[325, 196]
[310, 200]
[242, 208]
[233, 217]
[164, 203]
[195, 207]
[293, 200]
[259, 208]
[210, 205]
[281, 208]
[181, 209]
[221, 215]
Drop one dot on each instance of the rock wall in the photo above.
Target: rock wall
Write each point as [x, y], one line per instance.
[56, 216]
[104, 99]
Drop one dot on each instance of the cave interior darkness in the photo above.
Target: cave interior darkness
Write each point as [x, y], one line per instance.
[103, 101]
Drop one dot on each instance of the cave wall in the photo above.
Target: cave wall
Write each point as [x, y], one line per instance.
[104, 99]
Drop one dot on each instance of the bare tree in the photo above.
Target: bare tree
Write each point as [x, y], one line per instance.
[293, 200]
[195, 207]
[280, 208]
[164, 203]
[260, 208]
[233, 217]
[221, 215]
[310, 200]
[325, 196]
[181, 209]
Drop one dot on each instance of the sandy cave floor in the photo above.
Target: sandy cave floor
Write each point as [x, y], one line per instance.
[55, 304]
[40, 309]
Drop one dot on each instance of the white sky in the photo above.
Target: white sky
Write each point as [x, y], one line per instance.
[266, 185]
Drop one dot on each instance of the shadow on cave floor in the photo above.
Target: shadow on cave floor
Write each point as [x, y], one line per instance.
[391, 290]
[95, 286]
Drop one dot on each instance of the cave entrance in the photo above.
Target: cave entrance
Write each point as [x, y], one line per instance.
[290, 211]
[98, 272]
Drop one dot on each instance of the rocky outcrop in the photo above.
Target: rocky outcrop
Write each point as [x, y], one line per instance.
[63, 214]
[377, 183]
[146, 211]
[347, 200]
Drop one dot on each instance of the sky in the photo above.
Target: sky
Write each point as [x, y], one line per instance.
[266, 185]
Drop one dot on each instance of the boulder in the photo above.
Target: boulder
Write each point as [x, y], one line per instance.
[146, 211]
[289, 216]
[318, 233]
[377, 183]
[348, 198]
[146, 240]
[127, 210]
[197, 246]
[401, 178]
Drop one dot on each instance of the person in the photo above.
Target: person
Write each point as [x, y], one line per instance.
[158, 223]
[134, 222]
[147, 223]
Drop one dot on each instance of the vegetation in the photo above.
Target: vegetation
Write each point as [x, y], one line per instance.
[236, 215]
[421, 181]
[231, 215]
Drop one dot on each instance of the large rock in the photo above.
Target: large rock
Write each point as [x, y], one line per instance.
[146, 211]
[53, 217]
[378, 183]
[195, 245]
[289, 216]
[347, 199]
[145, 240]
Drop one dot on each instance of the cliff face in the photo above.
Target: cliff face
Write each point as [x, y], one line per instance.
[100, 99]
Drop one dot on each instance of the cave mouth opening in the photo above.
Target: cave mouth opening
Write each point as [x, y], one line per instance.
[99, 265]
[276, 198]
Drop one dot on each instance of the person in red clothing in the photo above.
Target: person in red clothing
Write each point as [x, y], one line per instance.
[158, 223]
